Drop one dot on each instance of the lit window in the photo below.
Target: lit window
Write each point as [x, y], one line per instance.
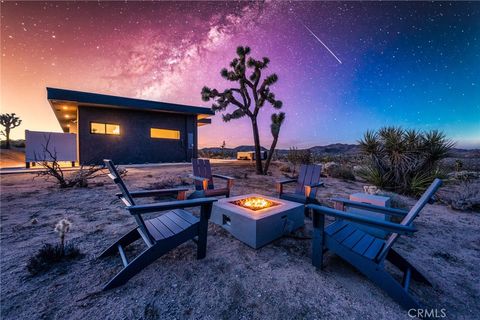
[113, 129]
[98, 128]
[104, 128]
[164, 134]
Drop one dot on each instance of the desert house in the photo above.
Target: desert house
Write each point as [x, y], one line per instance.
[126, 130]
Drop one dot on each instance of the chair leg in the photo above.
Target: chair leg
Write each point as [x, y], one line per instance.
[307, 213]
[202, 239]
[401, 263]
[376, 273]
[139, 263]
[125, 240]
[393, 288]
[318, 240]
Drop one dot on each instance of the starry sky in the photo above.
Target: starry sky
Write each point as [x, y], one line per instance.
[411, 64]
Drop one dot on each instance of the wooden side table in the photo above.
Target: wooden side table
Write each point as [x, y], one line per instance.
[374, 200]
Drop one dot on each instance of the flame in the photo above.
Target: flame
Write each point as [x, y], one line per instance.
[255, 203]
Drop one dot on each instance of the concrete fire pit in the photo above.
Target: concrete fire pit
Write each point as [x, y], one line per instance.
[256, 219]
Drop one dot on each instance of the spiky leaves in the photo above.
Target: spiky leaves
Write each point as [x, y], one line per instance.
[405, 161]
[277, 121]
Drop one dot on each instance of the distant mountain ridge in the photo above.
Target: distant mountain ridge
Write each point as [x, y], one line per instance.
[335, 149]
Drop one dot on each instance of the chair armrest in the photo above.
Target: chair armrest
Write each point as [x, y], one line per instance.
[222, 177]
[197, 178]
[153, 193]
[316, 185]
[370, 207]
[279, 184]
[229, 179]
[203, 180]
[284, 181]
[368, 221]
[309, 189]
[155, 207]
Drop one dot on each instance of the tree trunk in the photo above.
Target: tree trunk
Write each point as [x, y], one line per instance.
[256, 139]
[270, 154]
[7, 137]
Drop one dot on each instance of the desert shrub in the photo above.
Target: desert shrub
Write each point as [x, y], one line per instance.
[404, 161]
[162, 184]
[466, 197]
[151, 312]
[52, 168]
[342, 172]
[297, 157]
[15, 143]
[285, 168]
[458, 165]
[49, 255]
[167, 183]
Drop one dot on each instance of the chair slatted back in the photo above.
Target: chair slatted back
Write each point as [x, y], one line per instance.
[125, 197]
[412, 214]
[202, 168]
[309, 175]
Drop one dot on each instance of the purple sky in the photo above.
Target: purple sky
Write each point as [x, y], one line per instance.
[410, 64]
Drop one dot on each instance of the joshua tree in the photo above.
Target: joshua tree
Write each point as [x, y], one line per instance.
[277, 121]
[249, 97]
[9, 121]
[223, 149]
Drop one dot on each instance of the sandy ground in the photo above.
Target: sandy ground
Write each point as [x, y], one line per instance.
[233, 281]
[13, 157]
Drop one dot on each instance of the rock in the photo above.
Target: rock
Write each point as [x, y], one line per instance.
[463, 175]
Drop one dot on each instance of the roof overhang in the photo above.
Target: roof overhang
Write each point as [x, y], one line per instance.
[65, 103]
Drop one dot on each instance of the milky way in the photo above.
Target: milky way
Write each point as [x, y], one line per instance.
[410, 64]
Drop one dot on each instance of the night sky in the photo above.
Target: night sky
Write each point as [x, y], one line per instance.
[410, 64]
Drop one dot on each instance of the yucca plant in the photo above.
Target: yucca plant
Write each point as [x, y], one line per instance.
[404, 161]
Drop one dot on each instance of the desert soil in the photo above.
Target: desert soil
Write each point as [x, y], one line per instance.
[13, 157]
[233, 281]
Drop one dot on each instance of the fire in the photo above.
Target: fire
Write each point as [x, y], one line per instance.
[255, 203]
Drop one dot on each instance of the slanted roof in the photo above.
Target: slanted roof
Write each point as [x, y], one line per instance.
[65, 102]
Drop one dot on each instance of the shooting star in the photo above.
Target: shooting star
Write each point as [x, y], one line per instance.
[313, 34]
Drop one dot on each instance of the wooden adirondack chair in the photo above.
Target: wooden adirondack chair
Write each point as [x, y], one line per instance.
[160, 234]
[308, 182]
[203, 180]
[366, 252]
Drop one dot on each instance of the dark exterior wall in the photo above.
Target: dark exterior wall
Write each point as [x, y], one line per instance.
[134, 144]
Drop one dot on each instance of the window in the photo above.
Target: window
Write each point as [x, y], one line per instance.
[104, 128]
[112, 128]
[164, 134]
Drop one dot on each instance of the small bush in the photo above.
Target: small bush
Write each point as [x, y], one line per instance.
[341, 172]
[297, 157]
[466, 197]
[285, 168]
[49, 255]
[151, 312]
